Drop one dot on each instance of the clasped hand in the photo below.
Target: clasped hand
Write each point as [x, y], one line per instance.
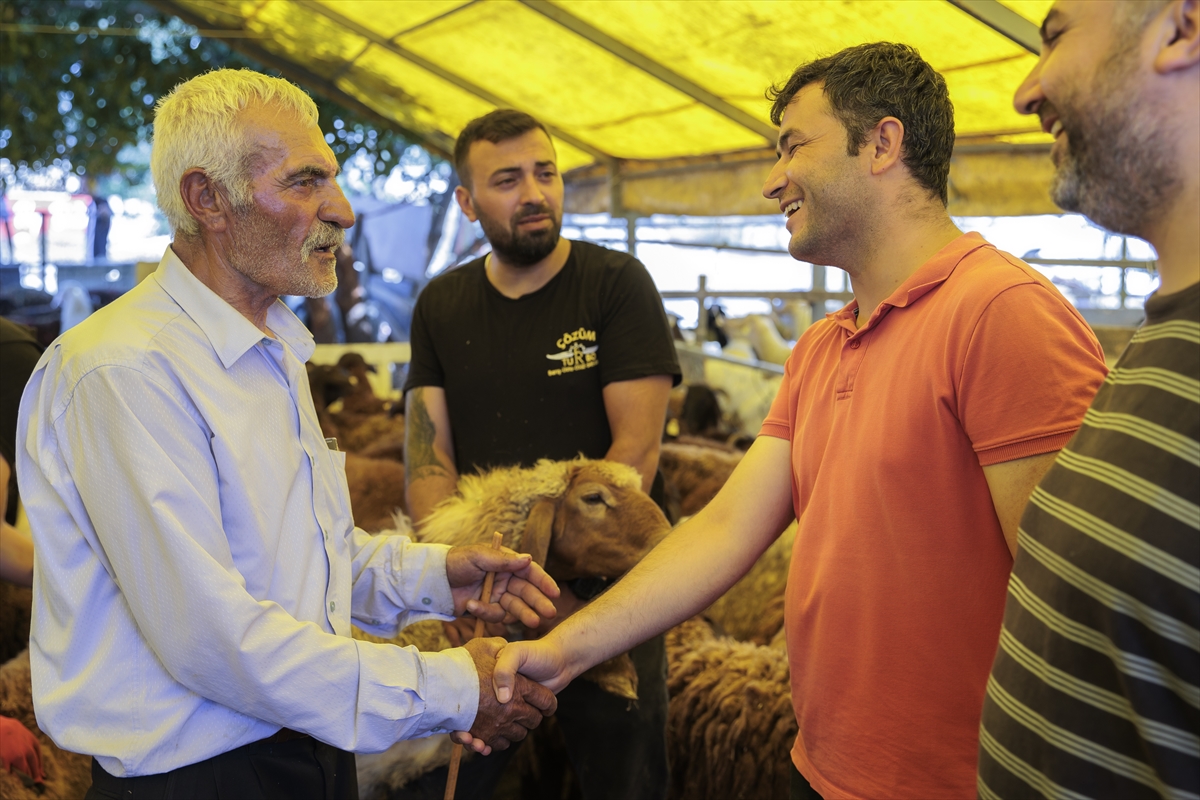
[521, 592]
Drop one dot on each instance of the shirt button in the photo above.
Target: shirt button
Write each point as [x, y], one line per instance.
[332, 605]
[854, 345]
[426, 601]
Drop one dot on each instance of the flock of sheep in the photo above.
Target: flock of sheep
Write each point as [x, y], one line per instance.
[730, 723]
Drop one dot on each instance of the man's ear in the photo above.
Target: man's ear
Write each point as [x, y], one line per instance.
[885, 143]
[204, 200]
[1178, 45]
[465, 202]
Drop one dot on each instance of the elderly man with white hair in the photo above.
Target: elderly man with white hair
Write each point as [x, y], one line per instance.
[197, 567]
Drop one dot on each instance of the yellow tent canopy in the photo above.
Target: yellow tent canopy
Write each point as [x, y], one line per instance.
[655, 106]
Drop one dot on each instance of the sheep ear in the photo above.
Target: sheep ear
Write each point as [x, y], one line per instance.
[539, 529]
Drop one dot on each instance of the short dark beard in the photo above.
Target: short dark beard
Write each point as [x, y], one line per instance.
[1116, 168]
[522, 249]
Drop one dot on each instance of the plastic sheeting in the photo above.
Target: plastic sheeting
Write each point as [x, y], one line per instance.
[648, 82]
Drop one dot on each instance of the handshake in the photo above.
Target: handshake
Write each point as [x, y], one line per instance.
[510, 703]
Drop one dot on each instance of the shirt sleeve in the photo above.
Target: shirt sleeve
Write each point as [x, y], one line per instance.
[424, 367]
[1031, 369]
[778, 423]
[397, 582]
[636, 341]
[138, 455]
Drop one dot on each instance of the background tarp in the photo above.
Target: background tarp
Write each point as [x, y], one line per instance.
[656, 106]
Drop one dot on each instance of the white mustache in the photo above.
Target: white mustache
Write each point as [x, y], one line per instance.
[331, 236]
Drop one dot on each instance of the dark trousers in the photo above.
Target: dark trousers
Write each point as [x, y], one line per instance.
[801, 788]
[618, 748]
[297, 769]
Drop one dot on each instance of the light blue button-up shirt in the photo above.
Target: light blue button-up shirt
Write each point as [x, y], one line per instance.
[197, 568]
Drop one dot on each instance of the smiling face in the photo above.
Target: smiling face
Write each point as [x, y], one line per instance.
[823, 192]
[285, 239]
[1112, 162]
[517, 196]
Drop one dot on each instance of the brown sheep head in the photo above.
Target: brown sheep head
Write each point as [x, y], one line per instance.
[599, 528]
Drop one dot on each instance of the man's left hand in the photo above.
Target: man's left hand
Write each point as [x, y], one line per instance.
[522, 591]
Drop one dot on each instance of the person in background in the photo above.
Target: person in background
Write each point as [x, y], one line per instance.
[906, 437]
[1095, 689]
[544, 348]
[19, 353]
[197, 565]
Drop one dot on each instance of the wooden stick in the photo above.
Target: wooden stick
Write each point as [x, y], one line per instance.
[484, 597]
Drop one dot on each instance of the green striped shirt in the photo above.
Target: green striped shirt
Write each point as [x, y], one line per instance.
[1095, 691]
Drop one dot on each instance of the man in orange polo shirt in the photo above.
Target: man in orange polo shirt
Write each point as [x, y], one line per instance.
[908, 433]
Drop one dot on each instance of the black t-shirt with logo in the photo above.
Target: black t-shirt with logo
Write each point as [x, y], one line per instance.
[524, 377]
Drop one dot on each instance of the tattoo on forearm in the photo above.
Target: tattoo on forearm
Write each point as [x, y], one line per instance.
[421, 460]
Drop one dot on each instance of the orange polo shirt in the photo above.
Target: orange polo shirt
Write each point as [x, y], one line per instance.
[896, 588]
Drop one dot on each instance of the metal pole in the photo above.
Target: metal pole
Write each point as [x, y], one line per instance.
[702, 318]
[44, 236]
[1124, 294]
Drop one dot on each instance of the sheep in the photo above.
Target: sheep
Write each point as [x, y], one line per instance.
[349, 411]
[730, 723]
[68, 775]
[376, 491]
[694, 471]
[360, 399]
[792, 317]
[760, 331]
[749, 391]
[578, 518]
[752, 609]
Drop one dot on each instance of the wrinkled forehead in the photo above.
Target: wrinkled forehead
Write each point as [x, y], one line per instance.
[277, 137]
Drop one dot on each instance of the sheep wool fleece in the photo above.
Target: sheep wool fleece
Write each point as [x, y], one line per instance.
[897, 582]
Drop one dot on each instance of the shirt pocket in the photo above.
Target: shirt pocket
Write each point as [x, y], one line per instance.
[340, 491]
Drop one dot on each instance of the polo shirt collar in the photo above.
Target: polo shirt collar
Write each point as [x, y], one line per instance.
[930, 275]
[229, 333]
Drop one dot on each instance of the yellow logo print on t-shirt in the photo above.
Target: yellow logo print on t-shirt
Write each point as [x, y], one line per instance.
[574, 354]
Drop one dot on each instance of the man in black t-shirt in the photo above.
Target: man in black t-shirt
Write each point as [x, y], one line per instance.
[544, 348]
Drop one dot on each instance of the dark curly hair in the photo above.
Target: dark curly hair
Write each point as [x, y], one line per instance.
[868, 82]
[497, 126]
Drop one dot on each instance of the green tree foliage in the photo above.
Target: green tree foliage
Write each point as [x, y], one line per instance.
[79, 79]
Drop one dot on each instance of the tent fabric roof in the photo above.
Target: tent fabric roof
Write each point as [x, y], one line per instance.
[615, 80]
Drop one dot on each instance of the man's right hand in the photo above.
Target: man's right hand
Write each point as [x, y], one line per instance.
[540, 660]
[20, 750]
[497, 724]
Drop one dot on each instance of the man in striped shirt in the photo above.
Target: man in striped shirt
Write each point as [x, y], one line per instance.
[1094, 690]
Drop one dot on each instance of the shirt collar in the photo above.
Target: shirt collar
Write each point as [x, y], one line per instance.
[229, 333]
[930, 275]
